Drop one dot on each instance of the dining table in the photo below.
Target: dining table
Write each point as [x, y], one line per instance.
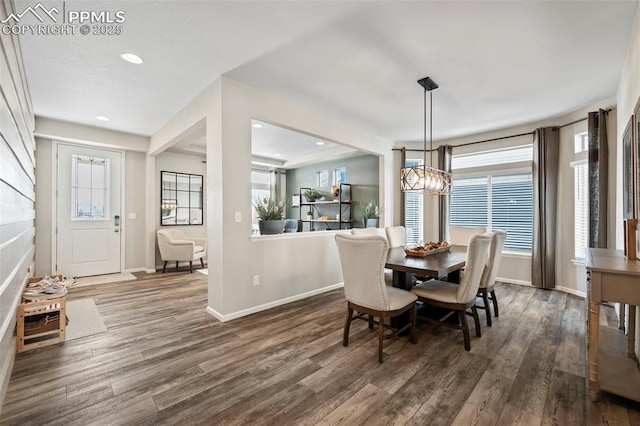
[445, 264]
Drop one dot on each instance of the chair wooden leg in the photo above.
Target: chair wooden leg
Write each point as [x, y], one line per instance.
[495, 303]
[380, 339]
[164, 268]
[412, 329]
[485, 299]
[202, 263]
[465, 329]
[370, 322]
[191, 266]
[347, 325]
[474, 310]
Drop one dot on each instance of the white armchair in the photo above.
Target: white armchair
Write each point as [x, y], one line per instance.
[175, 246]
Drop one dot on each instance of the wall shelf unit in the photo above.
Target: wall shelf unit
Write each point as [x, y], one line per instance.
[336, 212]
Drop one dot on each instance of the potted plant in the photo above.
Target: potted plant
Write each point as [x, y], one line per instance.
[271, 215]
[370, 214]
[312, 195]
[310, 215]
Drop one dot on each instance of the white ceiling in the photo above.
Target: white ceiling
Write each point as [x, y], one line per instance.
[498, 64]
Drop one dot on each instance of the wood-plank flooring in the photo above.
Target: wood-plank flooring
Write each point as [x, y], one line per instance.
[164, 360]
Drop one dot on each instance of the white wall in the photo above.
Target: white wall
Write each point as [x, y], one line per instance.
[17, 195]
[287, 266]
[135, 187]
[628, 95]
[181, 163]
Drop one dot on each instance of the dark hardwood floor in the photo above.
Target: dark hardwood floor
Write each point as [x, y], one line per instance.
[164, 360]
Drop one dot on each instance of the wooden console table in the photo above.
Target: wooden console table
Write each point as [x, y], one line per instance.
[610, 355]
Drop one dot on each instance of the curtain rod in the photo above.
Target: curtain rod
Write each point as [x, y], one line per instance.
[465, 144]
[500, 138]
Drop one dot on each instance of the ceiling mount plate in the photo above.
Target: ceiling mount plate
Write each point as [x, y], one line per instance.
[428, 84]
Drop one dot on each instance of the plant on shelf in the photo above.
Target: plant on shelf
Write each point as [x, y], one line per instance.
[271, 215]
[370, 214]
[310, 214]
[312, 195]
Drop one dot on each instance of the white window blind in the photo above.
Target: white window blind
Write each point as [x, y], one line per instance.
[493, 196]
[581, 208]
[413, 211]
[496, 202]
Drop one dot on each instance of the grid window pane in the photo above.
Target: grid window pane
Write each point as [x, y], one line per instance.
[90, 178]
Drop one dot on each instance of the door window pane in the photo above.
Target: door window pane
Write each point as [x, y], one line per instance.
[90, 178]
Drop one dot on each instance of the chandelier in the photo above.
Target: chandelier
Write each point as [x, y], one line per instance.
[425, 178]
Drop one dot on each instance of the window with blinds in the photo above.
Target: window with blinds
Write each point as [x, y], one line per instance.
[496, 192]
[581, 209]
[501, 201]
[580, 195]
[413, 212]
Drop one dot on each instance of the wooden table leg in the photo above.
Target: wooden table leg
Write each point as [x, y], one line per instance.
[594, 327]
[631, 337]
[401, 280]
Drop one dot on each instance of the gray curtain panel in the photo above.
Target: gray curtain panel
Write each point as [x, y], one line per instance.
[546, 154]
[445, 152]
[598, 178]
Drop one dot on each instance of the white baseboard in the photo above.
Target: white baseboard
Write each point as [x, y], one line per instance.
[142, 269]
[270, 305]
[512, 281]
[572, 291]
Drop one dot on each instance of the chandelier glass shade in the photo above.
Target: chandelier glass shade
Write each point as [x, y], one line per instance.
[423, 178]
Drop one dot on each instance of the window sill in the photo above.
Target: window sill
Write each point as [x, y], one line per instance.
[578, 262]
[516, 255]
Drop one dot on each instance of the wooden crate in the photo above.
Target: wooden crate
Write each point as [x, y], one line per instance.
[52, 333]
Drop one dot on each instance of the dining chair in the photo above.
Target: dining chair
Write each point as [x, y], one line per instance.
[458, 297]
[364, 231]
[488, 280]
[362, 259]
[459, 235]
[396, 235]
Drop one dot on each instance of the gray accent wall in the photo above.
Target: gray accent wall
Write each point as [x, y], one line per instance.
[17, 194]
[362, 173]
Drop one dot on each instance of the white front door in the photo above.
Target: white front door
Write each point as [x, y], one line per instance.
[87, 211]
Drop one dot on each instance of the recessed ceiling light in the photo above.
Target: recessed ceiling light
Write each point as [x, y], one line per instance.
[131, 57]
[320, 143]
[257, 125]
[277, 155]
[102, 118]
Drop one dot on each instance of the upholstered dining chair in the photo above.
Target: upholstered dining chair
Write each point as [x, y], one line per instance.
[488, 280]
[459, 235]
[364, 231]
[396, 235]
[175, 246]
[459, 297]
[388, 273]
[362, 260]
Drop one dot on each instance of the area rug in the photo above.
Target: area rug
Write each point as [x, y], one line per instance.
[203, 271]
[84, 319]
[103, 279]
